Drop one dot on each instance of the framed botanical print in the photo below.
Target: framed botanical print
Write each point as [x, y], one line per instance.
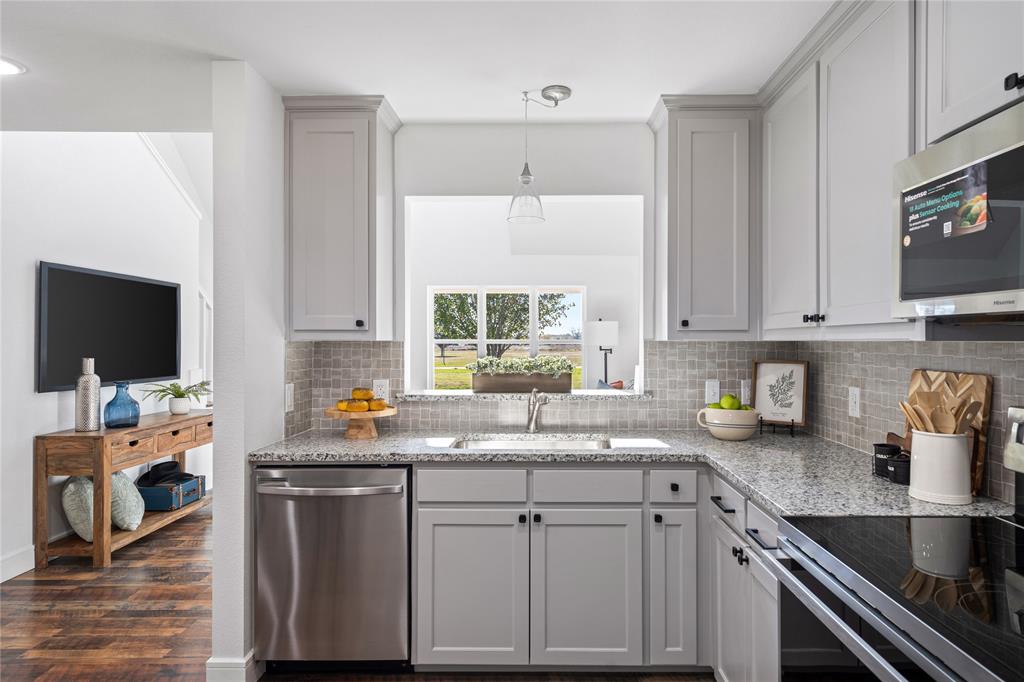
[780, 391]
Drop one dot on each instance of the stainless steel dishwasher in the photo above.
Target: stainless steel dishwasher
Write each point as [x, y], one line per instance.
[332, 564]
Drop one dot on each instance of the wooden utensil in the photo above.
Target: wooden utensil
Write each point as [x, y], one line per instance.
[908, 412]
[924, 419]
[967, 416]
[898, 440]
[929, 400]
[944, 422]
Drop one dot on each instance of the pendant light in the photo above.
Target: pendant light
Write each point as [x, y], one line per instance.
[526, 206]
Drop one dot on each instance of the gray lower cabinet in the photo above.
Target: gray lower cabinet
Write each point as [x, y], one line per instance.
[672, 611]
[731, 606]
[586, 587]
[764, 622]
[473, 581]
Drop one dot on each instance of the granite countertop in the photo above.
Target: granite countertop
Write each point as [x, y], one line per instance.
[788, 476]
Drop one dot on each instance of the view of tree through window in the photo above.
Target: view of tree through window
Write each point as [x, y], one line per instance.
[514, 323]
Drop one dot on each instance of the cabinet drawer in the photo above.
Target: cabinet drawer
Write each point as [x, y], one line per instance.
[728, 503]
[176, 440]
[579, 485]
[673, 485]
[131, 447]
[471, 485]
[761, 524]
[204, 432]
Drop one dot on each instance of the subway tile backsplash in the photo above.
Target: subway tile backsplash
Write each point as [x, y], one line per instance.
[675, 371]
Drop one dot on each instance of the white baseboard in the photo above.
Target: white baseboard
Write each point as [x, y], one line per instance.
[246, 669]
[22, 560]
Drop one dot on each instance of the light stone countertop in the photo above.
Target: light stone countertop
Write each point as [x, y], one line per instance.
[786, 475]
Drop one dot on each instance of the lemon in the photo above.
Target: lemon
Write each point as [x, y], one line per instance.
[730, 402]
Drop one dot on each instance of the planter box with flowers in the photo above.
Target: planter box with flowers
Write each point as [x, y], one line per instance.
[548, 373]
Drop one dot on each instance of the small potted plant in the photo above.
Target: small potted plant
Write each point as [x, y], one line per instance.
[179, 397]
[549, 373]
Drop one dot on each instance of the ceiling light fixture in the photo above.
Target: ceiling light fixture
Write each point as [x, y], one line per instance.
[9, 67]
[526, 206]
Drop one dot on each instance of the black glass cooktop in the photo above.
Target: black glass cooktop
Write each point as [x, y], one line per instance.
[962, 576]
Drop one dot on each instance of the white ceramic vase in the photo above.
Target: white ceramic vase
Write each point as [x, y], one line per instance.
[940, 468]
[179, 405]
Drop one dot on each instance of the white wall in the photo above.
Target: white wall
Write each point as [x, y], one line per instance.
[595, 242]
[485, 159]
[248, 159]
[96, 200]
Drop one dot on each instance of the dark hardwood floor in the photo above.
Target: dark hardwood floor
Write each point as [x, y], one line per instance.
[148, 618]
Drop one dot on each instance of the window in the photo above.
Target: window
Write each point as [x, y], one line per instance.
[503, 322]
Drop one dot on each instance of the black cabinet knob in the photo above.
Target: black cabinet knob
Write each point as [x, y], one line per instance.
[674, 487]
[657, 518]
[684, 323]
[536, 518]
[522, 518]
[360, 323]
[1014, 80]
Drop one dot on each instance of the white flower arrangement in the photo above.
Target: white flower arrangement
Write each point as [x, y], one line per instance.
[555, 365]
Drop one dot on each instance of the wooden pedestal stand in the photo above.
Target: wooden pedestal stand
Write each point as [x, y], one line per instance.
[360, 424]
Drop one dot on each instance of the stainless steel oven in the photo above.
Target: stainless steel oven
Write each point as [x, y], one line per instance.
[890, 598]
[958, 243]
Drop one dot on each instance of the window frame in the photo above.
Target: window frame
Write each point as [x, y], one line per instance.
[533, 341]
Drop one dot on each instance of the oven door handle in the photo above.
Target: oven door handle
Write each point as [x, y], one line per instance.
[864, 651]
[847, 635]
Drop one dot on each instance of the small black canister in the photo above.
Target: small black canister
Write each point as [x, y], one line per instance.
[899, 469]
[883, 451]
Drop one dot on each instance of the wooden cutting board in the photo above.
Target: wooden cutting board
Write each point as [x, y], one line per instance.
[969, 387]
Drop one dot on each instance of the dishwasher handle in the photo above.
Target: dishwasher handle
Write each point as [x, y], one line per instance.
[328, 491]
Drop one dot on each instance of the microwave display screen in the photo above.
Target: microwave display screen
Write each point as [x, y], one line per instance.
[963, 233]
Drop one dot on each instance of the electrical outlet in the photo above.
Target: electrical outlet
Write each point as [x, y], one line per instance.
[854, 402]
[382, 389]
[712, 391]
[289, 397]
[745, 391]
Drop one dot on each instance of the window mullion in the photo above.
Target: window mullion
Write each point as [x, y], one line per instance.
[481, 322]
[534, 313]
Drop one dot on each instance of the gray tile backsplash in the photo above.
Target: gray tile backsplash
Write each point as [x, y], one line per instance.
[675, 371]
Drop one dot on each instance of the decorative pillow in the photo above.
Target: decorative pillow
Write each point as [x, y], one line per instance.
[76, 497]
[126, 503]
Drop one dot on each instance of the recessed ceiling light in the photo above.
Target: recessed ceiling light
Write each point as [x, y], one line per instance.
[9, 67]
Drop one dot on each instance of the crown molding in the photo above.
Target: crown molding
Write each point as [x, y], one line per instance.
[667, 103]
[376, 104]
[838, 16]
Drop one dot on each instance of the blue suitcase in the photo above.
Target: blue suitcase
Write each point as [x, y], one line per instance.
[171, 496]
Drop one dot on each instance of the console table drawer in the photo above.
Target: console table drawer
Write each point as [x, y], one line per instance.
[204, 433]
[179, 439]
[131, 447]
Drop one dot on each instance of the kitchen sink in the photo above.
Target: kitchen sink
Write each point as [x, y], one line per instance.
[549, 443]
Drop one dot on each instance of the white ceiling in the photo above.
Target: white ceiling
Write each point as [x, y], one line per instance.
[435, 61]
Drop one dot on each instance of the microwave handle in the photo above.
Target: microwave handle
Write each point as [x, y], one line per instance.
[864, 651]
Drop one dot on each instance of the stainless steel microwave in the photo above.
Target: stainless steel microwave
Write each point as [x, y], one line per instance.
[959, 223]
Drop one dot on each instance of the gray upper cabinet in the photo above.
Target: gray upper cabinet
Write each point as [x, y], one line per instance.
[970, 48]
[340, 197]
[864, 129]
[790, 205]
[709, 227]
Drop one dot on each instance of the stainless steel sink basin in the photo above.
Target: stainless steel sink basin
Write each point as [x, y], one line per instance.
[546, 443]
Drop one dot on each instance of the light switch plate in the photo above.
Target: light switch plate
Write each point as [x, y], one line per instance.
[289, 397]
[854, 402]
[745, 391]
[382, 389]
[712, 391]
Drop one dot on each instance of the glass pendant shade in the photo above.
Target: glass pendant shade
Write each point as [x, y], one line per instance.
[526, 206]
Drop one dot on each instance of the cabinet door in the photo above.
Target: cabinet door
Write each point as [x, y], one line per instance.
[764, 622]
[472, 587]
[732, 608]
[673, 579]
[709, 220]
[865, 128]
[971, 47]
[790, 205]
[586, 587]
[328, 188]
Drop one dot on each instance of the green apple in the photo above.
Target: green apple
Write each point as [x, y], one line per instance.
[715, 406]
[730, 402]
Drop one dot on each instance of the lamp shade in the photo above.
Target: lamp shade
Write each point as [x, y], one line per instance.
[526, 206]
[601, 333]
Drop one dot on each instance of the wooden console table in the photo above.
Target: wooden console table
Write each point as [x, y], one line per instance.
[99, 454]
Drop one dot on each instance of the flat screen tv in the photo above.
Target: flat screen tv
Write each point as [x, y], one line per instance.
[131, 325]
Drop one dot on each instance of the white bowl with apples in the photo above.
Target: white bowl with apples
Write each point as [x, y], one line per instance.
[728, 419]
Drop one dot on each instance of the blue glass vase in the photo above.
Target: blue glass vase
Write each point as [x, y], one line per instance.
[122, 410]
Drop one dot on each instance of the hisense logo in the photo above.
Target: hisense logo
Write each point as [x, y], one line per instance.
[1004, 301]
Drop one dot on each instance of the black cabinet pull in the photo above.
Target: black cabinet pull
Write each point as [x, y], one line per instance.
[1013, 81]
[735, 551]
[175, 432]
[657, 518]
[132, 443]
[717, 499]
[536, 518]
[684, 323]
[742, 558]
[807, 318]
[522, 518]
[674, 487]
[360, 323]
[756, 537]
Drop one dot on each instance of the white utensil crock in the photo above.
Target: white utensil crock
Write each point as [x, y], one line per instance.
[940, 468]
